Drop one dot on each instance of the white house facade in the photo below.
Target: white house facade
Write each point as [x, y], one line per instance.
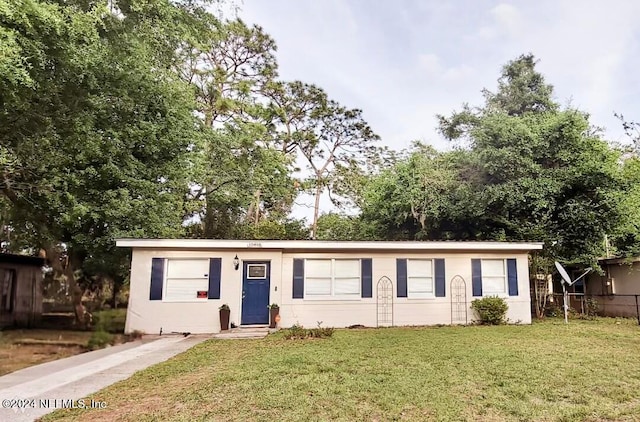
[177, 285]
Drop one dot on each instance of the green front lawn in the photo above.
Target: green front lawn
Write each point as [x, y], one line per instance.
[546, 371]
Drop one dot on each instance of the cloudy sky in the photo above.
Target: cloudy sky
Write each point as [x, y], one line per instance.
[402, 62]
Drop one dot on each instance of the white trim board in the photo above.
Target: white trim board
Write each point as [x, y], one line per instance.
[318, 245]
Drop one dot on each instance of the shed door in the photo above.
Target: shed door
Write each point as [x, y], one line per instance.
[255, 292]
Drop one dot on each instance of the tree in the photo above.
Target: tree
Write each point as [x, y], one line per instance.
[632, 130]
[333, 226]
[229, 65]
[626, 240]
[241, 175]
[97, 99]
[294, 108]
[414, 198]
[341, 140]
[336, 144]
[521, 89]
[242, 182]
[529, 170]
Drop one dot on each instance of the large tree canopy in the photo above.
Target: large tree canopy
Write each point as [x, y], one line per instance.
[95, 129]
[527, 170]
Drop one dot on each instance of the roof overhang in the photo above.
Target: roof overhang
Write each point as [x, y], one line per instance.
[33, 261]
[319, 245]
[619, 261]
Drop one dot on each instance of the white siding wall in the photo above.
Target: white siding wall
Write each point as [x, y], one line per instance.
[406, 311]
[203, 317]
[200, 316]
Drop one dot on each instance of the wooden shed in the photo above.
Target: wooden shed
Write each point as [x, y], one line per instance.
[20, 290]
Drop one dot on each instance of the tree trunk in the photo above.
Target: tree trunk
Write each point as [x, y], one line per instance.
[258, 194]
[114, 293]
[208, 222]
[316, 211]
[66, 269]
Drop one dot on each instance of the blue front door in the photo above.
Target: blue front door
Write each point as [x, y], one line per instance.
[255, 292]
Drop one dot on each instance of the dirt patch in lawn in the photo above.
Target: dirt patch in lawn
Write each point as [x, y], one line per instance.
[23, 348]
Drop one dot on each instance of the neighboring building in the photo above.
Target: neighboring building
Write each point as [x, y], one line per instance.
[20, 290]
[617, 290]
[178, 285]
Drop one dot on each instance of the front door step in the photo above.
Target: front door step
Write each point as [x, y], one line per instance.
[245, 332]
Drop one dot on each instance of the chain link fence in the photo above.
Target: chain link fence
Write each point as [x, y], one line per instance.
[627, 306]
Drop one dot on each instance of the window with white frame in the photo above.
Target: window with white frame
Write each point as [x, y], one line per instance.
[186, 280]
[494, 277]
[332, 278]
[420, 278]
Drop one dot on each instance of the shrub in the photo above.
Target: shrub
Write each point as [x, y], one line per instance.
[99, 339]
[590, 308]
[297, 332]
[321, 332]
[491, 310]
[111, 320]
[553, 310]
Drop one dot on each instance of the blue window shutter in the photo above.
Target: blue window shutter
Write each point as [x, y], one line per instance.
[440, 278]
[298, 278]
[366, 277]
[476, 277]
[512, 277]
[401, 269]
[157, 278]
[215, 273]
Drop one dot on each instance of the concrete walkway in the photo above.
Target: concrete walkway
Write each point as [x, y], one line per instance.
[33, 392]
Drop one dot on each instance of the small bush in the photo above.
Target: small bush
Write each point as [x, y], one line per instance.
[111, 321]
[591, 308]
[491, 310]
[99, 339]
[297, 332]
[321, 332]
[553, 310]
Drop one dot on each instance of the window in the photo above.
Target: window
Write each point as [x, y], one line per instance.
[332, 278]
[420, 278]
[258, 271]
[578, 287]
[7, 280]
[186, 280]
[494, 277]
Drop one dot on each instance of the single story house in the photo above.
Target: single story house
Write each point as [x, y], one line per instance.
[20, 290]
[616, 290]
[177, 285]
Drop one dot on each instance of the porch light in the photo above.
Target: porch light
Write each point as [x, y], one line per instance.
[236, 262]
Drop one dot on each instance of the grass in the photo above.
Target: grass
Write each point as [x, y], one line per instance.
[586, 371]
[23, 348]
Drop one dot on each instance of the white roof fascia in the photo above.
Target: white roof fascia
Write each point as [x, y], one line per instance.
[318, 245]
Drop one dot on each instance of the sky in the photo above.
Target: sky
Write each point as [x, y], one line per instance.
[405, 61]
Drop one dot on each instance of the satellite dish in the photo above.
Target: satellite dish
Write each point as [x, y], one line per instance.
[567, 280]
[563, 273]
